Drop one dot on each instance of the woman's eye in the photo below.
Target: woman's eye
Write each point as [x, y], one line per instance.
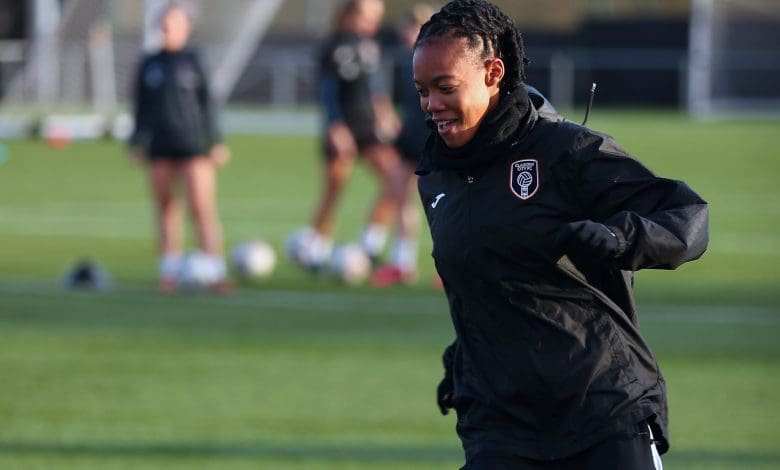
[447, 89]
[422, 93]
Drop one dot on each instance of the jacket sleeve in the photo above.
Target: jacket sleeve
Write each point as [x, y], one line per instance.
[329, 85]
[660, 223]
[211, 130]
[329, 91]
[141, 108]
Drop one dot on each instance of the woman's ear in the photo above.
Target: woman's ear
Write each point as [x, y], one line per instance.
[494, 72]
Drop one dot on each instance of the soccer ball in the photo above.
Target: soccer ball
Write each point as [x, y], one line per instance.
[196, 271]
[306, 248]
[253, 259]
[295, 245]
[350, 264]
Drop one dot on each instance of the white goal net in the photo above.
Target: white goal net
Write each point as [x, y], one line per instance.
[734, 58]
[85, 56]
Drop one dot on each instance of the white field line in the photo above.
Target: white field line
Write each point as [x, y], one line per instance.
[709, 314]
[296, 301]
[115, 231]
[109, 220]
[346, 302]
[748, 244]
[136, 206]
[122, 221]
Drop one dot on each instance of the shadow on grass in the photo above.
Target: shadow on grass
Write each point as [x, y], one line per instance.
[354, 452]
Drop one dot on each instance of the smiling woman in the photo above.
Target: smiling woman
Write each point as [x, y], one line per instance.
[543, 224]
[458, 93]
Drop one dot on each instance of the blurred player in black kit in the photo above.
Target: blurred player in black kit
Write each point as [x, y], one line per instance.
[359, 120]
[538, 226]
[177, 136]
[402, 263]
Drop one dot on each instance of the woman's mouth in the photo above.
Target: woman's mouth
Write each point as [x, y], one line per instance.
[445, 125]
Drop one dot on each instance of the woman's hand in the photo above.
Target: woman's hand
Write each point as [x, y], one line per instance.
[341, 139]
[444, 393]
[220, 155]
[136, 155]
[591, 238]
[388, 125]
[446, 389]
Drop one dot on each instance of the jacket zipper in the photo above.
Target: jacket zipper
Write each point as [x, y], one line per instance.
[469, 211]
[469, 182]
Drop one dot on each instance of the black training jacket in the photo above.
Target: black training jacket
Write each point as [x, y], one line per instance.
[349, 79]
[548, 359]
[174, 112]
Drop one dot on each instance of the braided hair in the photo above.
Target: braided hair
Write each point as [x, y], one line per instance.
[487, 29]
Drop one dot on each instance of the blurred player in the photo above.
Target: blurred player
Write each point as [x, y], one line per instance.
[176, 134]
[402, 265]
[359, 120]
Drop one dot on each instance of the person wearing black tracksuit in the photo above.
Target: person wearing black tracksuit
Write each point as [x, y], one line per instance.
[538, 225]
[401, 267]
[359, 121]
[175, 116]
[177, 138]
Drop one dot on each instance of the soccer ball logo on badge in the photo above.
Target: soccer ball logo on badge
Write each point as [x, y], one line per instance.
[524, 178]
[350, 264]
[253, 260]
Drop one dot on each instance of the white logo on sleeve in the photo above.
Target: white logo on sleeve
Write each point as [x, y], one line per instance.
[436, 201]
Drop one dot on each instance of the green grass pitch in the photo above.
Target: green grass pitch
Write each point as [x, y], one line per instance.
[303, 373]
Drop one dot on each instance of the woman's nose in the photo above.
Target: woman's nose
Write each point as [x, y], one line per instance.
[433, 104]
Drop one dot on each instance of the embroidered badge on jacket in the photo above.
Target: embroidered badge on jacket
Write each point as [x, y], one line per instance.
[524, 178]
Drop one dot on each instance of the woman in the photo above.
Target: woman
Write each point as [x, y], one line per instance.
[402, 264]
[359, 120]
[176, 134]
[538, 225]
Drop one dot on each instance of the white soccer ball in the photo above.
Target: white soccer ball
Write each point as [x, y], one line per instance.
[254, 259]
[350, 263]
[296, 244]
[196, 271]
[305, 247]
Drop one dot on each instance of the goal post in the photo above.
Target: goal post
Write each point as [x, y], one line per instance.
[84, 52]
[734, 58]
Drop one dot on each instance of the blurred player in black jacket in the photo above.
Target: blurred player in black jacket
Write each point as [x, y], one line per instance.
[359, 120]
[176, 134]
[402, 263]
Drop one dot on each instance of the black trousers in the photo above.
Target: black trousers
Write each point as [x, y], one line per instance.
[618, 453]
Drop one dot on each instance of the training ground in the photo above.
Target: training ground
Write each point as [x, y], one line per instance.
[299, 372]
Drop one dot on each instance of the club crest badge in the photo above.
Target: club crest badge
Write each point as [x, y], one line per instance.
[524, 178]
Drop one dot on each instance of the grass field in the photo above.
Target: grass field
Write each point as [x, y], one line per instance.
[303, 373]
